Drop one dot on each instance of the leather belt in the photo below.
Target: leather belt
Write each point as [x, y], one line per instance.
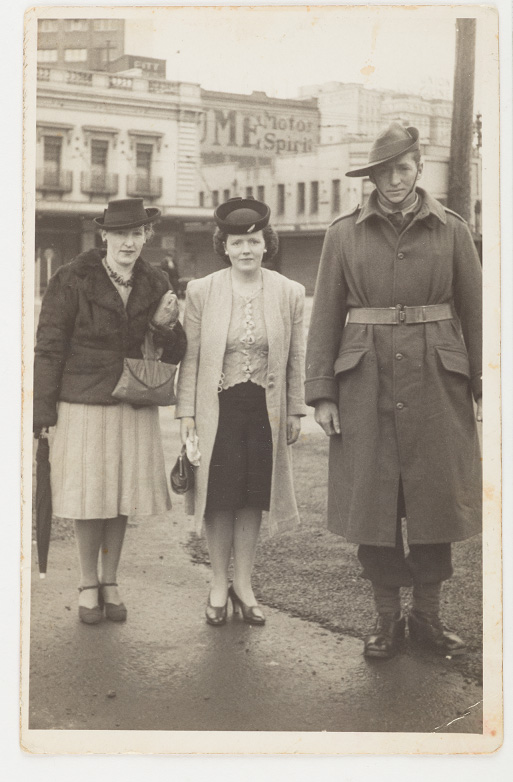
[393, 316]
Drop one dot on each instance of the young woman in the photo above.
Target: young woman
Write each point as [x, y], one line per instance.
[241, 389]
[107, 459]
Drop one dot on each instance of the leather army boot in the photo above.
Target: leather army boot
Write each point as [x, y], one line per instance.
[428, 630]
[387, 636]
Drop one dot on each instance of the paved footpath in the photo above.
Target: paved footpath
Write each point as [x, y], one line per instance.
[166, 669]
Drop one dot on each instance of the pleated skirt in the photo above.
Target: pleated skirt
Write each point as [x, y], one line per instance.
[106, 461]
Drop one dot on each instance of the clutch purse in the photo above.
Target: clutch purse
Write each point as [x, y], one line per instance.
[146, 381]
[182, 474]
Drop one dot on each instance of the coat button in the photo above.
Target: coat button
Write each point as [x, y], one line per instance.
[400, 256]
[399, 356]
[399, 405]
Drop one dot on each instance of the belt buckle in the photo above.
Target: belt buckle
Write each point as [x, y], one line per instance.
[399, 308]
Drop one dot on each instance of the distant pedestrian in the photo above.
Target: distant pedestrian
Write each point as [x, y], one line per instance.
[241, 390]
[107, 458]
[393, 358]
[170, 267]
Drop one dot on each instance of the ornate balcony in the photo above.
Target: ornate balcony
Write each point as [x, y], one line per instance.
[145, 187]
[54, 181]
[99, 184]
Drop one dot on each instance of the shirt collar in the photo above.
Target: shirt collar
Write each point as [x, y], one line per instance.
[429, 206]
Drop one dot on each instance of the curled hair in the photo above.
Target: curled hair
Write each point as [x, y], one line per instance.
[270, 238]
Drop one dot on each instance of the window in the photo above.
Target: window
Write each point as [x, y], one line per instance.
[52, 159]
[201, 198]
[314, 197]
[47, 55]
[77, 25]
[281, 200]
[105, 24]
[215, 198]
[99, 153]
[249, 192]
[143, 155]
[226, 194]
[75, 55]
[301, 198]
[335, 195]
[48, 26]
[261, 193]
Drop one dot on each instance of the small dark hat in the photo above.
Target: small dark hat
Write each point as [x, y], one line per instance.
[126, 213]
[242, 216]
[391, 143]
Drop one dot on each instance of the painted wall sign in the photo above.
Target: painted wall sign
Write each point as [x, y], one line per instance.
[241, 132]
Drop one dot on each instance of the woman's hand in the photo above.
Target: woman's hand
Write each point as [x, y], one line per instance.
[166, 313]
[479, 410]
[326, 415]
[293, 428]
[187, 429]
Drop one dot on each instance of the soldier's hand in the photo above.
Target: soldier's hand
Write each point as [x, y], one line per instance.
[293, 428]
[479, 410]
[326, 415]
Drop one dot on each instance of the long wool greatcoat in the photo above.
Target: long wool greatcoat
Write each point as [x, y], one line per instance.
[404, 392]
[207, 319]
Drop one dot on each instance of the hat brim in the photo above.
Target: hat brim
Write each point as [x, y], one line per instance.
[152, 214]
[364, 170]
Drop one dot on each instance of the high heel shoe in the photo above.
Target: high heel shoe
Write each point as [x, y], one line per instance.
[90, 616]
[216, 615]
[248, 612]
[115, 612]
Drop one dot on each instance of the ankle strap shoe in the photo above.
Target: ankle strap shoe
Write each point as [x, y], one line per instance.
[116, 612]
[90, 616]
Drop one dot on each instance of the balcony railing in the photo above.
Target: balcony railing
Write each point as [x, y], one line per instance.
[54, 181]
[99, 184]
[149, 187]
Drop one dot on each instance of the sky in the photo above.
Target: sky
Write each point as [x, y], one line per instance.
[277, 50]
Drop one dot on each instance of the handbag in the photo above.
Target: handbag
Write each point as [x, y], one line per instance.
[182, 474]
[147, 381]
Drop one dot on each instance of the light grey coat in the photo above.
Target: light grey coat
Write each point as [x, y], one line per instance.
[207, 318]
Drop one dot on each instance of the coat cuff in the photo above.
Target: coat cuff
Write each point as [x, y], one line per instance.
[296, 406]
[317, 388]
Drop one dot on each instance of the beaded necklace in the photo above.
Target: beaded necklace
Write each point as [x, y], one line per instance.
[128, 283]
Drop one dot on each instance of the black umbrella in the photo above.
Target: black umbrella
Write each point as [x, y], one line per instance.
[43, 504]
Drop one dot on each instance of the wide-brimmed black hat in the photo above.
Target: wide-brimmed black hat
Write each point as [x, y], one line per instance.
[126, 213]
[242, 216]
[391, 143]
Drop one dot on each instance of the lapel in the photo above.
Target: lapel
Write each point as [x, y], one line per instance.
[273, 316]
[216, 316]
[145, 291]
[99, 288]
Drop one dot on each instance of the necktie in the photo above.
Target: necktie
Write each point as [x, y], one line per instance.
[397, 220]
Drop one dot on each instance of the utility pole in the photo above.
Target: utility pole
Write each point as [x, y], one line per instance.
[462, 130]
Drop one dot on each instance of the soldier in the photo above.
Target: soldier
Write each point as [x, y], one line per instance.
[393, 359]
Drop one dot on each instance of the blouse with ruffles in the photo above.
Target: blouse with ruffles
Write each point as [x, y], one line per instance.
[247, 348]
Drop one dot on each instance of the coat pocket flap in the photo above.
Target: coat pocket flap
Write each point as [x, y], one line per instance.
[454, 361]
[348, 360]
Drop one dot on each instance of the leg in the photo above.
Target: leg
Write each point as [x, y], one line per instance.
[386, 568]
[112, 544]
[245, 539]
[219, 530]
[431, 564]
[88, 535]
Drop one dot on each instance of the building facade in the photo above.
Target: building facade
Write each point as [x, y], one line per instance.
[80, 43]
[107, 135]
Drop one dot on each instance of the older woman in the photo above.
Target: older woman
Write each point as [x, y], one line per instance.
[107, 459]
[241, 389]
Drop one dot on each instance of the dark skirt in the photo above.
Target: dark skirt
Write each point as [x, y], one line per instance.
[242, 458]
